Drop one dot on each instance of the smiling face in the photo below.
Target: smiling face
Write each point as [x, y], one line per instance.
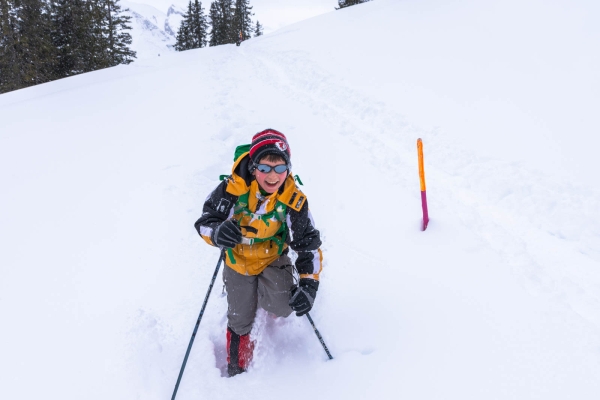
[270, 182]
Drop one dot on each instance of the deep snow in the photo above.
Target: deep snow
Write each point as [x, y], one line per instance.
[104, 174]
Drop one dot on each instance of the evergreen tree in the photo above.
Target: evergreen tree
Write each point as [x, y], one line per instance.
[90, 35]
[93, 49]
[221, 15]
[36, 51]
[198, 25]
[192, 32]
[228, 35]
[241, 24]
[214, 16]
[10, 78]
[230, 22]
[258, 30]
[183, 39]
[348, 3]
[26, 50]
[116, 36]
[42, 40]
[70, 37]
[107, 40]
[184, 34]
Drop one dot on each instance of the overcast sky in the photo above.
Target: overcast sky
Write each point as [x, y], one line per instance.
[272, 14]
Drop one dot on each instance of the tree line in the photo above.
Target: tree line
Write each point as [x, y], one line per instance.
[227, 21]
[44, 40]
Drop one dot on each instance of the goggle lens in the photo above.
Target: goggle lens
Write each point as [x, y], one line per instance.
[265, 169]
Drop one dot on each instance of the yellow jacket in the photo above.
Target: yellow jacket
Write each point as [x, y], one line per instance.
[269, 223]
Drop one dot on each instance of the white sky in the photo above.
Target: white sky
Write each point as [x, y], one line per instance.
[272, 14]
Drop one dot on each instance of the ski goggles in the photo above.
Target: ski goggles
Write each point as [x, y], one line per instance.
[265, 169]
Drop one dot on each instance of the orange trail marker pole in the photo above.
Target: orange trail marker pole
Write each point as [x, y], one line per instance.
[423, 188]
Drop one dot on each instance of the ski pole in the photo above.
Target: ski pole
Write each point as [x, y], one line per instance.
[319, 336]
[187, 353]
[423, 187]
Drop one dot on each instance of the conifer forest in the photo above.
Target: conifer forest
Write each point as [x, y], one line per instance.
[227, 21]
[45, 40]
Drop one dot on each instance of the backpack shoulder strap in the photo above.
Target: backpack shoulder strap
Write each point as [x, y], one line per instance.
[297, 200]
[292, 197]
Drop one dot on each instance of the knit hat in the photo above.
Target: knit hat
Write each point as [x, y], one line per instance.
[267, 142]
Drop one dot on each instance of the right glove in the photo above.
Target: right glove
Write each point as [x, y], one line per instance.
[302, 297]
[228, 234]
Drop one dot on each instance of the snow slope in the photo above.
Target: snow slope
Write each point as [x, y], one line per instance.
[103, 175]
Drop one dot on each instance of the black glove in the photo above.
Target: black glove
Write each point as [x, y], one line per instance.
[303, 296]
[228, 234]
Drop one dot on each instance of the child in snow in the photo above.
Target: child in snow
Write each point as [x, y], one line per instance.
[255, 215]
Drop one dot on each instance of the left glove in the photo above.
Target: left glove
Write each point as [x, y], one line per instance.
[227, 235]
[303, 296]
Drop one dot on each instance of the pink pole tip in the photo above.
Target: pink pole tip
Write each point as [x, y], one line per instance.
[425, 212]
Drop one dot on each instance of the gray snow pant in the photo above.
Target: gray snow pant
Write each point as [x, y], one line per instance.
[270, 290]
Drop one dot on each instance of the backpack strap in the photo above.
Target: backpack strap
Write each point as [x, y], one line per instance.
[292, 196]
[296, 200]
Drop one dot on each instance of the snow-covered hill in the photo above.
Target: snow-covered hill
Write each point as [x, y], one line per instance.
[103, 175]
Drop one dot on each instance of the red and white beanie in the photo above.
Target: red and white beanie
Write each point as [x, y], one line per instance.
[270, 141]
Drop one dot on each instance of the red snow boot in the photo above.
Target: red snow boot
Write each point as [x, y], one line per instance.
[239, 352]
